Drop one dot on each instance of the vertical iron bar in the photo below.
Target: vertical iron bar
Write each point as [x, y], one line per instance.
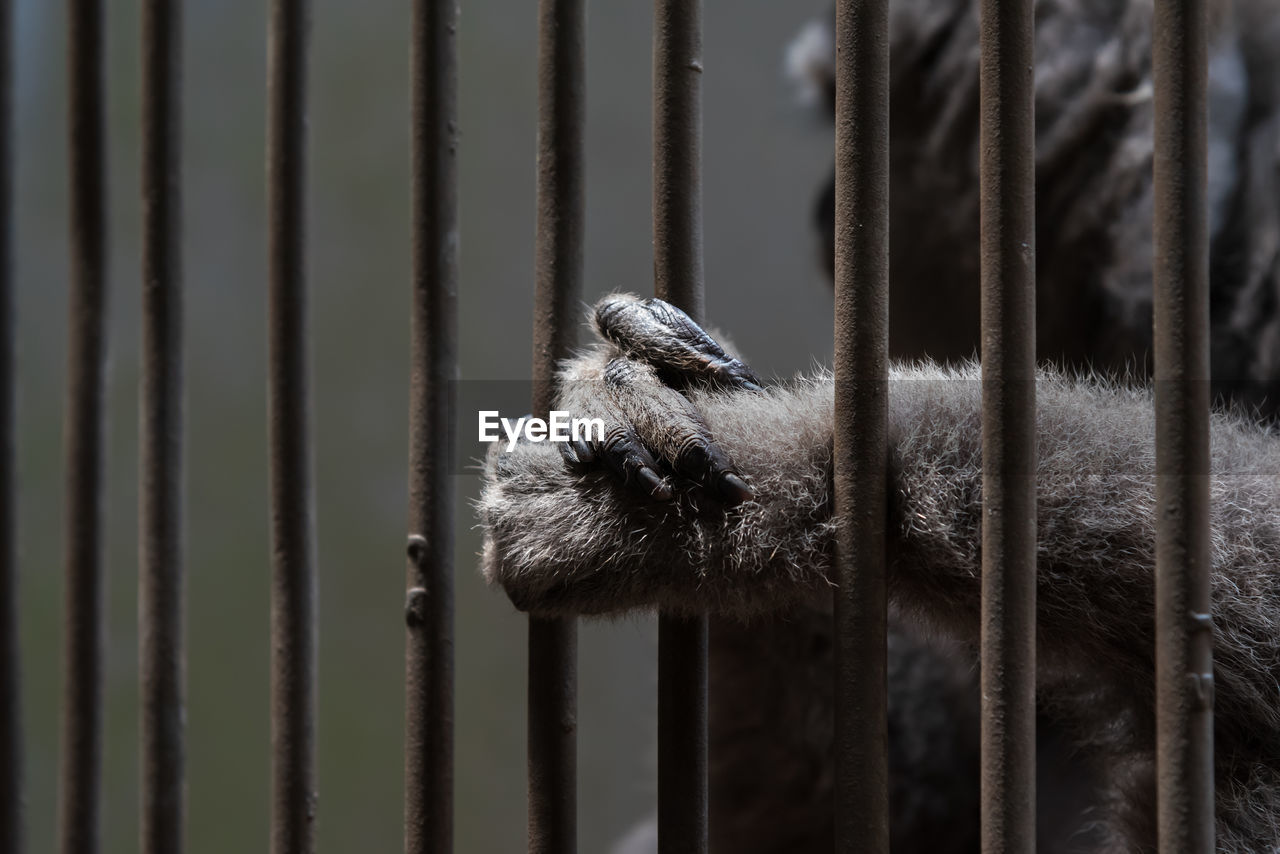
[677, 154]
[12, 836]
[429, 607]
[1184, 637]
[84, 434]
[677, 267]
[160, 577]
[553, 669]
[553, 732]
[861, 423]
[293, 587]
[1008, 621]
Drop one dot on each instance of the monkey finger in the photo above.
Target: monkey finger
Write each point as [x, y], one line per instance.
[703, 460]
[583, 450]
[577, 453]
[631, 461]
[658, 333]
[668, 424]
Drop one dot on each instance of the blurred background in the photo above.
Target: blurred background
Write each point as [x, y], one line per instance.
[765, 157]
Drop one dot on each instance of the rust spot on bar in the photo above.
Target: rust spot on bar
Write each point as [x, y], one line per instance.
[417, 550]
[861, 423]
[429, 663]
[415, 608]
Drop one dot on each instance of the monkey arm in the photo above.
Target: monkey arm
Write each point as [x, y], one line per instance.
[560, 539]
[567, 541]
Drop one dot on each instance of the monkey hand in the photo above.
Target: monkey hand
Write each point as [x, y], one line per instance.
[686, 501]
[654, 439]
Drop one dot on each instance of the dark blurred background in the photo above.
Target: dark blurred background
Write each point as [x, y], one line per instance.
[765, 157]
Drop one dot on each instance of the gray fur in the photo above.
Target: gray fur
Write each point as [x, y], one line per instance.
[563, 543]
[1094, 121]
[567, 542]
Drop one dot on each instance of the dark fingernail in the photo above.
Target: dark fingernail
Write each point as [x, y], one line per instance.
[659, 489]
[570, 455]
[734, 488]
[583, 451]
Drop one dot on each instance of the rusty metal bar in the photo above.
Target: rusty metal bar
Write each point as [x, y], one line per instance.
[682, 734]
[1008, 620]
[553, 643]
[861, 423]
[293, 583]
[553, 732]
[677, 154]
[12, 836]
[677, 267]
[428, 808]
[81, 783]
[161, 649]
[1184, 636]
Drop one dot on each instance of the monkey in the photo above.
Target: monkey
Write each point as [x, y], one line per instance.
[1094, 139]
[572, 540]
[740, 527]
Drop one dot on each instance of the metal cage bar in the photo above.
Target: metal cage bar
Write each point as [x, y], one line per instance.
[293, 584]
[677, 267]
[161, 606]
[12, 827]
[553, 643]
[1184, 636]
[81, 782]
[429, 673]
[1008, 619]
[861, 423]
